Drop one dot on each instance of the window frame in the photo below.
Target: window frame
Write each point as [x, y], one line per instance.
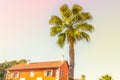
[48, 73]
[15, 74]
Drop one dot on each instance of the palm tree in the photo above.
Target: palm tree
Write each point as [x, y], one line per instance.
[106, 77]
[82, 77]
[71, 27]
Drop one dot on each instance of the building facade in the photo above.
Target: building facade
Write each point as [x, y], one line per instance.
[51, 70]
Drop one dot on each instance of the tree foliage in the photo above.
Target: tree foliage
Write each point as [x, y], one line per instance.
[106, 77]
[82, 77]
[8, 64]
[73, 24]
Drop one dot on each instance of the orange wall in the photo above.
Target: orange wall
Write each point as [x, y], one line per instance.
[64, 68]
[37, 73]
[40, 73]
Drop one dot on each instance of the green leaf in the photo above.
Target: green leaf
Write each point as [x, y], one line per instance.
[106, 77]
[55, 30]
[85, 27]
[86, 16]
[61, 39]
[78, 35]
[85, 36]
[55, 20]
[63, 8]
[76, 9]
[66, 14]
[76, 19]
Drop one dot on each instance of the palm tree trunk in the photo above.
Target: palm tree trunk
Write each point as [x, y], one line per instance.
[72, 62]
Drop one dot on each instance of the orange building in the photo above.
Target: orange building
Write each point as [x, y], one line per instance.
[52, 70]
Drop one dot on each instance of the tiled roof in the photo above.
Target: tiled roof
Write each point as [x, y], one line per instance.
[37, 65]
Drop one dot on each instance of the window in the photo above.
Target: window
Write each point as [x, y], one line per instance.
[48, 73]
[31, 74]
[22, 78]
[15, 74]
[39, 78]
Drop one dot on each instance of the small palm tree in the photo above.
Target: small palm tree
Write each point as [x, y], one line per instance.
[106, 77]
[82, 77]
[71, 27]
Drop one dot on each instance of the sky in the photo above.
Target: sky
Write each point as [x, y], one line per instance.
[25, 34]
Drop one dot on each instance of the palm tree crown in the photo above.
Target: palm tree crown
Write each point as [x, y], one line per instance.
[72, 26]
[106, 77]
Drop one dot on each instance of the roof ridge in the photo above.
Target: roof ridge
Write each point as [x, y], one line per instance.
[47, 61]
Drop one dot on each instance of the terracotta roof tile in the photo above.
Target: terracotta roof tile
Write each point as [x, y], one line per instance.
[36, 65]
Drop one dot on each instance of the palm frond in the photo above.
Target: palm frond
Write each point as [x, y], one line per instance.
[76, 18]
[85, 27]
[61, 39]
[66, 13]
[78, 35]
[76, 9]
[55, 20]
[86, 16]
[85, 36]
[64, 7]
[106, 77]
[55, 30]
